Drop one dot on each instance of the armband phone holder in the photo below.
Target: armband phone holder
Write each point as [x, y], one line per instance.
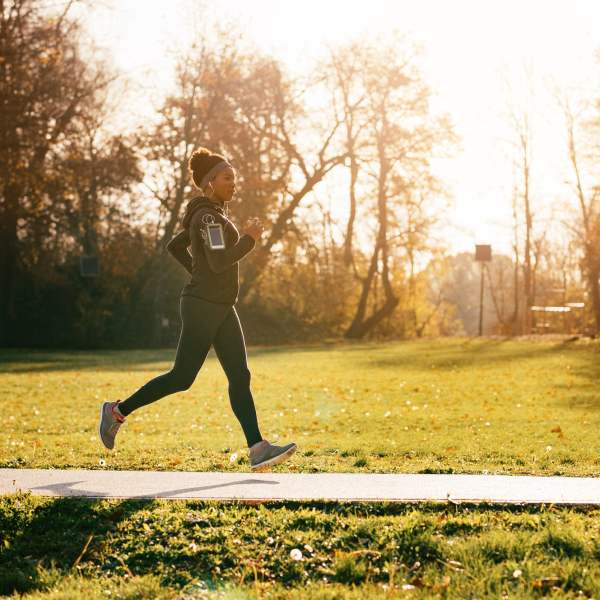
[216, 239]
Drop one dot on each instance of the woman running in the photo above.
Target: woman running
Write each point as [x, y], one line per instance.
[207, 309]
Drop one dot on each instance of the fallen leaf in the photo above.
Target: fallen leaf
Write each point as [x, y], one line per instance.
[545, 583]
[418, 582]
[442, 584]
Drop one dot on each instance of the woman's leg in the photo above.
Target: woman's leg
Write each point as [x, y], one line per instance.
[200, 321]
[230, 348]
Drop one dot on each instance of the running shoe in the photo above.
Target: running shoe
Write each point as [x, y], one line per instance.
[109, 423]
[263, 454]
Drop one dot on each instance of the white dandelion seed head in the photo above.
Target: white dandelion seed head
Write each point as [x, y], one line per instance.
[296, 554]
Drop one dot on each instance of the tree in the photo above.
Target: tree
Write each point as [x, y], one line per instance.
[587, 194]
[44, 83]
[390, 138]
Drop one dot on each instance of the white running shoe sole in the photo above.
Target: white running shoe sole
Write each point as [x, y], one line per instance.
[275, 460]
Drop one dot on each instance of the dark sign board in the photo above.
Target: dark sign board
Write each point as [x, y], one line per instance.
[483, 252]
[89, 266]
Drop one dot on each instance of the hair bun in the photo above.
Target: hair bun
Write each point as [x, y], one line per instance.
[201, 162]
[198, 158]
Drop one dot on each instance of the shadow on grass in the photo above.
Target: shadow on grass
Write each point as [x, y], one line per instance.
[582, 392]
[579, 393]
[34, 360]
[58, 532]
[63, 532]
[447, 354]
[470, 353]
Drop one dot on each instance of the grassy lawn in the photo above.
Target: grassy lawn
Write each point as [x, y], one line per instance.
[448, 406]
[79, 548]
[461, 405]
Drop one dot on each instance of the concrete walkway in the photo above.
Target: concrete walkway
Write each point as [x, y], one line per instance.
[256, 487]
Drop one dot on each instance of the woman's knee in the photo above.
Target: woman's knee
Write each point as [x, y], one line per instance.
[241, 378]
[180, 382]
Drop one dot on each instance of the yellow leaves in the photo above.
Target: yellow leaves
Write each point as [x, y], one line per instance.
[546, 583]
[443, 584]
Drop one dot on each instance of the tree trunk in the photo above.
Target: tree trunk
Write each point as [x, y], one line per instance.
[361, 326]
[593, 275]
[527, 274]
[348, 257]
[8, 261]
[356, 329]
[516, 290]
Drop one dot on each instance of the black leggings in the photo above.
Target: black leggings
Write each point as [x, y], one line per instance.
[204, 324]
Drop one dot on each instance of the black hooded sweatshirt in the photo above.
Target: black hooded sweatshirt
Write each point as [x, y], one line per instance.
[215, 272]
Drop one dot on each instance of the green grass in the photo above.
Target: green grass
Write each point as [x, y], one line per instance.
[81, 548]
[444, 406]
[460, 405]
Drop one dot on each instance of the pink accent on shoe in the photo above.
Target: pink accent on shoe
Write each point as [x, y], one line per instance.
[116, 415]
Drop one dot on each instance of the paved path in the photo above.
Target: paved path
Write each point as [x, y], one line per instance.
[253, 487]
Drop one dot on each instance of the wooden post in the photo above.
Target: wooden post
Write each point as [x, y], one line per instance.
[483, 253]
[481, 302]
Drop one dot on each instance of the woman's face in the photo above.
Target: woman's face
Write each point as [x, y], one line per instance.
[223, 185]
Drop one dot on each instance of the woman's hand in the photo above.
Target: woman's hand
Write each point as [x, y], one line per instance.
[253, 227]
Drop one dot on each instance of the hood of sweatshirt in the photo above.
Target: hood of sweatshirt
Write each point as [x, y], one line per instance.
[196, 203]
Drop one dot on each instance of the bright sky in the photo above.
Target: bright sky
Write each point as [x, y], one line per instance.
[468, 45]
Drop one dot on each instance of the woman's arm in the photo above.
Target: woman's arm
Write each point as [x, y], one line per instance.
[178, 248]
[221, 259]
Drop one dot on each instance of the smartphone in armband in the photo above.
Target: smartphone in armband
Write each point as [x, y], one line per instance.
[216, 239]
